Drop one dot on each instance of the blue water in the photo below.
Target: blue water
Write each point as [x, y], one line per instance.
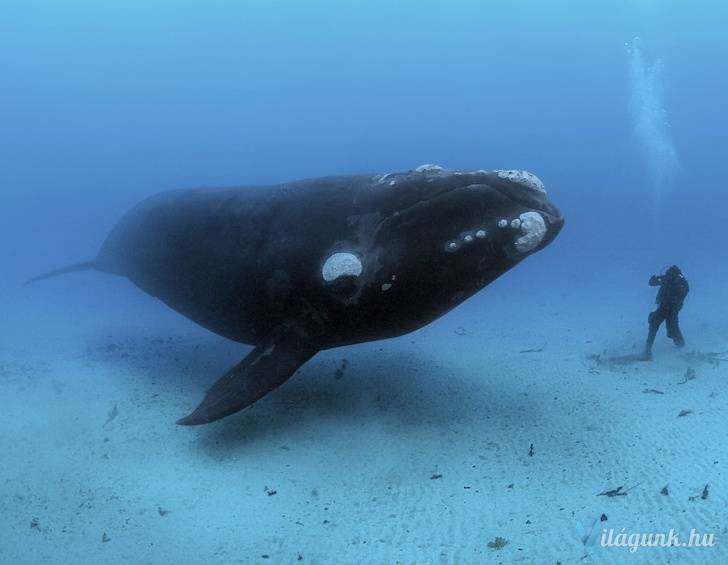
[104, 104]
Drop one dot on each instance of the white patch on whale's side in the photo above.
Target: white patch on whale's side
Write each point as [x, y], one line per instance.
[341, 265]
[533, 228]
[522, 177]
[451, 246]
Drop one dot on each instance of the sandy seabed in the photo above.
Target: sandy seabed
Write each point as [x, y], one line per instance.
[487, 437]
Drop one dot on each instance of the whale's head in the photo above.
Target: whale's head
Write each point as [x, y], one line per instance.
[443, 235]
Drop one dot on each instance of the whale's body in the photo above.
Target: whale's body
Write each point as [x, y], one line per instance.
[300, 267]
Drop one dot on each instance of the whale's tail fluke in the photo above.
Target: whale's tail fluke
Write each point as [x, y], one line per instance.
[86, 266]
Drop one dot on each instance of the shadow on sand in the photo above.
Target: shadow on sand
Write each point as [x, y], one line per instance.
[389, 383]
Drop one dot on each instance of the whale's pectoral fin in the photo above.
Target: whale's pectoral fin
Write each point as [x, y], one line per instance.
[269, 365]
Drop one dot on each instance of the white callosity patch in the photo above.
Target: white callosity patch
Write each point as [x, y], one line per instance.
[502, 223]
[341, 265]
[516, 223]
[522, 177]
[480, 234]
[389, 179]
[533, 228]
[429, 168]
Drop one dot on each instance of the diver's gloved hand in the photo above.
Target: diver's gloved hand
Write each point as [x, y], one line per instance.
[654, 280]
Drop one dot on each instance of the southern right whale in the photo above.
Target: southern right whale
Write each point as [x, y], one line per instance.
[296, 268]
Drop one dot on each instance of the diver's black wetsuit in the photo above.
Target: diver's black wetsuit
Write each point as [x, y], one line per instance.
[673, 290]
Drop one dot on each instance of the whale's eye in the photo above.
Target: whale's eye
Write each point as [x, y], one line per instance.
[341, 265]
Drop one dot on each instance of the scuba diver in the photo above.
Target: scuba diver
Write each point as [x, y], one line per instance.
[673, 290]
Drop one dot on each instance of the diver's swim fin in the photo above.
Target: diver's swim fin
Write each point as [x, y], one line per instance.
[269, 365]
[86, 266]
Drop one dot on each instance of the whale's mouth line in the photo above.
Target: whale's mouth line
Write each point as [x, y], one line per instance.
[531, 199]
[525, 197]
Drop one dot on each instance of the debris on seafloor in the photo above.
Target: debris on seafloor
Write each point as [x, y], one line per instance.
[339, 373]
[619, 491]
[703, 495]
[111, 415]
[538, 350]
[614, 492]
[498, 543]
[713, 358]
[689, 376]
